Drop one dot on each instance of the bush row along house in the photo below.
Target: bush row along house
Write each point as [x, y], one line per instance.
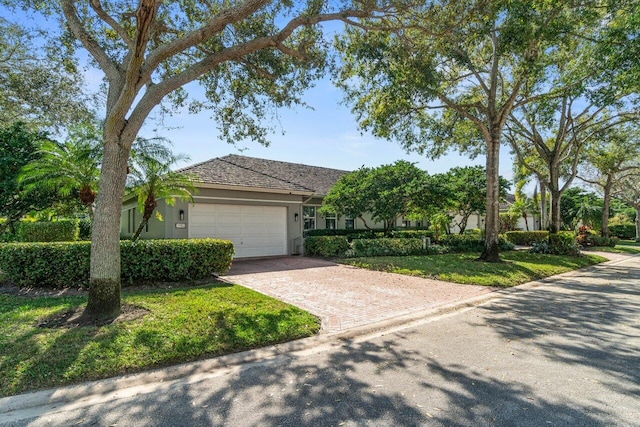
[262, 206]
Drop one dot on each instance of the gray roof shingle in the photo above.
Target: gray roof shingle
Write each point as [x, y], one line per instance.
[261, 173]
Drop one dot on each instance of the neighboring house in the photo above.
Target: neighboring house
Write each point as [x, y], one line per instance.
[533, 219]
[262, 206]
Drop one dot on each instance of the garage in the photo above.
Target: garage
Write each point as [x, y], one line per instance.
[254, 230]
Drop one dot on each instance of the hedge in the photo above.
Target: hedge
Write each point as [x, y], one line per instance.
[623, 231]
[563, 243]
[526, 237]
[66, 264]
[470, 243]
[391, 247]
[326, 246]
[370, 234]
[596, 240]
[58, 231]
[411, 234]
[84, 229]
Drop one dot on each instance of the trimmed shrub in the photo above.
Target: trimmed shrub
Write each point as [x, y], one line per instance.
[326, 246]
[66, 264]
[471, 243]
[84, 229]
[370, 234]
[391, 247]
[623, 231]
[540, 248]
[341, 232]
[174, 260]
[563, 243]
[411, 234]
[526, 237]
[596, 240]
[46, 265]
[58, 231]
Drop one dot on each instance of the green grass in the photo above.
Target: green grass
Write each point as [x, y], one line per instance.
[518, 267]
[183, 324]
[628, 243]
[619, 249]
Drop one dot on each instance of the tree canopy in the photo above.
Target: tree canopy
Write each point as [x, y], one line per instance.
[466, 191]
[19, 146]
[386, 192]
[447, 74]
[40, 83]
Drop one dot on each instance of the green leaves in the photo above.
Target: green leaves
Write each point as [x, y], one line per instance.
[386, 192]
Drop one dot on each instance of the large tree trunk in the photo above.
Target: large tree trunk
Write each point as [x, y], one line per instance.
[526, 222]
[543, 206]
[491, 253]
[554, 189]
[555, 220]
[605, 208]
[637, 206]
[104, 285]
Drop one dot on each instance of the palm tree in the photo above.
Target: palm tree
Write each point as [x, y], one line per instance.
[69, 168]
[151, 179]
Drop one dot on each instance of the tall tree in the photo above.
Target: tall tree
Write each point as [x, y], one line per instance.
[467, 191]
[627, 190]
[250, 56]
[40, 84]
[577, 206]
[450, 73]
[151, 180]
[613, 157]
[549, 137]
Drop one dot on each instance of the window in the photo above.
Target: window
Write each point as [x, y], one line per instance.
[349, 223]
[406, 222]
[309, 217]
[331, 221]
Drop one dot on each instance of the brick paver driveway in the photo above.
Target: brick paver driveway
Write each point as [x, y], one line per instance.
[345, 297]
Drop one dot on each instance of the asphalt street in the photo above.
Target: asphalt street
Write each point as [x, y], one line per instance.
[563, 354]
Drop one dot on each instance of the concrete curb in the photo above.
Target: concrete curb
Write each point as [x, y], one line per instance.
[88, 393]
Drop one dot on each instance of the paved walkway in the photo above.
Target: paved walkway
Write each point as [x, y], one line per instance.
[345, 297]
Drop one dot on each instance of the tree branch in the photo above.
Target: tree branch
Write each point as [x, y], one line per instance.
[97, 7]
[109, 67]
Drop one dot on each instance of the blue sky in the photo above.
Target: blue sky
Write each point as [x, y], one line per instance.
[325, 135]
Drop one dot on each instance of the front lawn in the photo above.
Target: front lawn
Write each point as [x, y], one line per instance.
[518, 267]
[618, 249]
[178, 325]
[628, 243]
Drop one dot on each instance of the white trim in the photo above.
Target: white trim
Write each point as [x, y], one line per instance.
[246, 200]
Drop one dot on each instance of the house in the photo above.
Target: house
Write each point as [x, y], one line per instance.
[262, 206]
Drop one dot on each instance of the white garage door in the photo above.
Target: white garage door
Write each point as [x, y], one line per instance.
[254, 230]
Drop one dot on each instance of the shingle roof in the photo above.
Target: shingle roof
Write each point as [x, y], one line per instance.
[261, 173]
